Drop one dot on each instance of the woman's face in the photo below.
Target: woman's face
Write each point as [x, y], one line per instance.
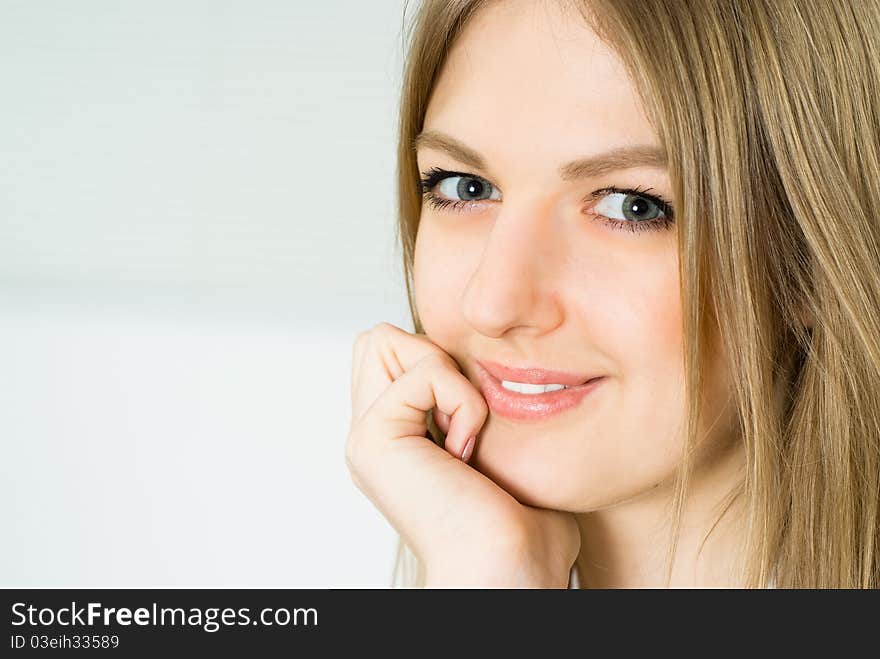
[523, 272]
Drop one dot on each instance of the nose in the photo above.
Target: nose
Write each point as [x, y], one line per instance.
[515, 285]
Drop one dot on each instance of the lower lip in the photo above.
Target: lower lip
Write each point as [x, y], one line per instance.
[531, 407]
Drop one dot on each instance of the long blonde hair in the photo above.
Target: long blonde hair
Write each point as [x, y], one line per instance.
[769, 111]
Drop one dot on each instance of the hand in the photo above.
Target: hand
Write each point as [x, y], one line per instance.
[468, 531]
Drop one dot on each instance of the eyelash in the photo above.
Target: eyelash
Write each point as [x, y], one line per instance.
[434, 175]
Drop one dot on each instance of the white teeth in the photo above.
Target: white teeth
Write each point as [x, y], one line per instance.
[525, 388]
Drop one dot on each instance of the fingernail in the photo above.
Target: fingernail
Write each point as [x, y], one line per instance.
[468, 448]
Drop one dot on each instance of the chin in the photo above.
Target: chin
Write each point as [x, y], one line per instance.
[535, 472]
[545, 471]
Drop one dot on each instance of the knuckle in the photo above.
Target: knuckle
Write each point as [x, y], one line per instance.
[385, 329]
[380, 335]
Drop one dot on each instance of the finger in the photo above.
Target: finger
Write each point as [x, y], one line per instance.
[430, 497]
[442, 420]
[431, 382]
[382, 355]
[402, 349]
[413, 481]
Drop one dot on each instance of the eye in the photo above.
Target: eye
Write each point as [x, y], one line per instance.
[468, 188]
[620, 208]
[631, 209]
[457, 190]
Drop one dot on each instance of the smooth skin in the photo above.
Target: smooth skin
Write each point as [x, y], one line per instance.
[531, 275]
[468, 531]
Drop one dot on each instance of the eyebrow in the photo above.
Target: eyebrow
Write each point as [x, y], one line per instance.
[625, 157]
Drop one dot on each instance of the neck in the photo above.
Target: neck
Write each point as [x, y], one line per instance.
[624, 545]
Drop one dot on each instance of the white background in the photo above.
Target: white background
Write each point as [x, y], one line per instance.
[196, 219]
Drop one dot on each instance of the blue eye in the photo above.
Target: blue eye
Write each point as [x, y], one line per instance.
[468, 188]
[624, 209]
[458, 189]
[631, 209]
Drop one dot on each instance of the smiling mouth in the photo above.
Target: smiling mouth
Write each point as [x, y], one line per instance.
[528, 388]
[526, 379]
[533, 401]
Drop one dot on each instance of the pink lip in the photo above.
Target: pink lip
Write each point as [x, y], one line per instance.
[533, 375]
[529, 407]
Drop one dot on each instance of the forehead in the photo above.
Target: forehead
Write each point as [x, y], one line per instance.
[533, 77]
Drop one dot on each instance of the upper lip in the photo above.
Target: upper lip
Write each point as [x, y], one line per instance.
[534, 375]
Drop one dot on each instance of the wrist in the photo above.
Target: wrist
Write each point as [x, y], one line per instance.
[529, 574]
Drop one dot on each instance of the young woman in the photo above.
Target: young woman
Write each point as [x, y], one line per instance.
[641, 241]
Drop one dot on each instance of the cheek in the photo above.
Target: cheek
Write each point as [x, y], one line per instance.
[626, 319]
[628, 308]
[440, 275]
[653, 339]
[641, 442]
[623, 315]
[642, 334]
